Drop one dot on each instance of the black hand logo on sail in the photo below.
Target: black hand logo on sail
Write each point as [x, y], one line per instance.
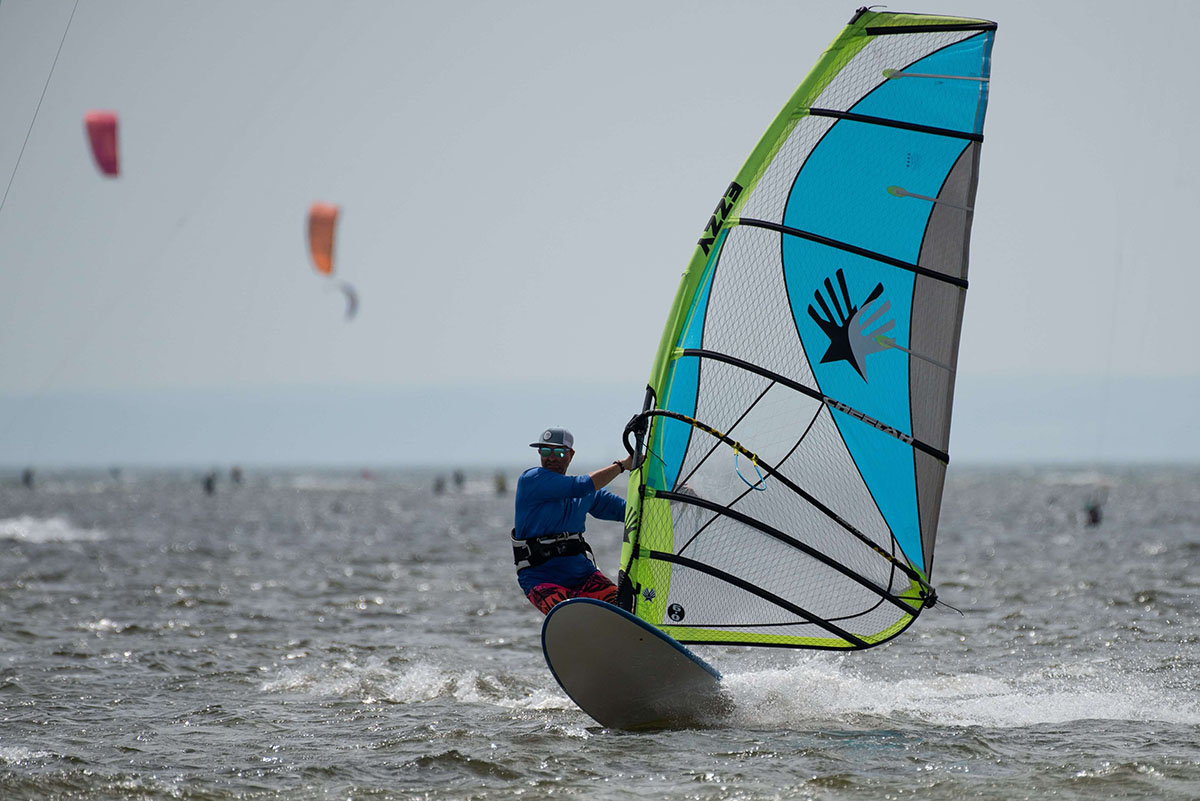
[845, 325]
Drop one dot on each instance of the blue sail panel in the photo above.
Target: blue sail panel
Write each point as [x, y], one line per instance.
[953, 96]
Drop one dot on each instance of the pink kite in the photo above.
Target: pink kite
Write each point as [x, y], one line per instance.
[102, 133]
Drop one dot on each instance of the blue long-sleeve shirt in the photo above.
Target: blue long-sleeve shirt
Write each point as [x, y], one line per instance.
[551, 503]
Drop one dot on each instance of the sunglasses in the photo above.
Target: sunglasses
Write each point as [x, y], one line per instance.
[557, 452]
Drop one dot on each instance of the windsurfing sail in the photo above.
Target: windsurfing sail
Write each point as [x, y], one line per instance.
[101, 127]
[796, 426]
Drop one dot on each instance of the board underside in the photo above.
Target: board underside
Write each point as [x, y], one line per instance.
[626, 674]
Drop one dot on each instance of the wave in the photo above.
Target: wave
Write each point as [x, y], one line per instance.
[825, 690]
[50, 529]
[16, 755]
[380, 681]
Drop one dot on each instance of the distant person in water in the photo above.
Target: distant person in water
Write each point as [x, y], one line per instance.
[553, 561]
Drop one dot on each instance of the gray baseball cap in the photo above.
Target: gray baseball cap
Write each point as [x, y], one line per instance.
[555, 438]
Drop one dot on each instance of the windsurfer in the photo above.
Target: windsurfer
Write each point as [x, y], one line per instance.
[553, 560]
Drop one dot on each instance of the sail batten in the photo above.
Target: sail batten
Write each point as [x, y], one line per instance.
[796, 432]
[729, 511]
[890, 123]
[774, 472]
[817, 395]
[892, 30]
[961, 283]
[709, 570]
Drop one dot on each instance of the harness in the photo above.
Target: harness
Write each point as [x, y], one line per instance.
[538, 550]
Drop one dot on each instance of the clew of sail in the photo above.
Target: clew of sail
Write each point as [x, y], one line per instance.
[797, 417]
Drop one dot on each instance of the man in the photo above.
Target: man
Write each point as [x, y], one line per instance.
[553, 560]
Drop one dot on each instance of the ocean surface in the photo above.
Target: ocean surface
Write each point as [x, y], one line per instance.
[324, 635]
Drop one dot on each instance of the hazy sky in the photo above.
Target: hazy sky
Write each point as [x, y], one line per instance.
[523, 182]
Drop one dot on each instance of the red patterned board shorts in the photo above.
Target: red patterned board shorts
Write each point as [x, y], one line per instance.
[546, 596]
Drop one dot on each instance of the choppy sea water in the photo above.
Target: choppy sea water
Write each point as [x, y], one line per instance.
[334, 636]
